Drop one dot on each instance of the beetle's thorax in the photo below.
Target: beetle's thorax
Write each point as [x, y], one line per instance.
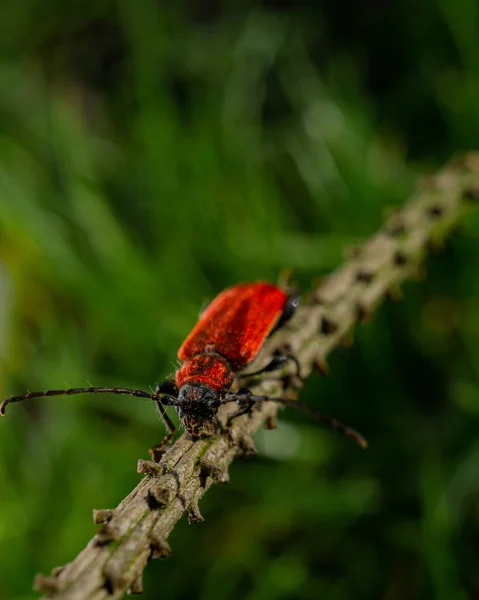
[201, 381]
[208, 369]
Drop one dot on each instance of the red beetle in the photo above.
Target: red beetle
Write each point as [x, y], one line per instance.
[228, 336]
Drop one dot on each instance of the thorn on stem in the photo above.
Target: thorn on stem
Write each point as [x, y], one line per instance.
[102, 516]
[246, 447]
[208, 469]
[471, 194]
[328, 326]
[45, 583]
[106, 534]
[57, 570]
[435, 211]
[159, 547]
[158, 497]
[194, 514]
[348, 340]
[399, 258]
[137, 586]
[321, 366]
[364, 276]
[396, 228]
[271, 423]
[364, 315]
[148, 467]
[225, 478]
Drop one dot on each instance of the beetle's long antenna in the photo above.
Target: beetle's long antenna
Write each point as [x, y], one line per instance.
[69, 392]
[315, 414]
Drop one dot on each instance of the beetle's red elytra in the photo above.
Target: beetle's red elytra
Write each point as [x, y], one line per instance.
[237, 323]
[226, 339]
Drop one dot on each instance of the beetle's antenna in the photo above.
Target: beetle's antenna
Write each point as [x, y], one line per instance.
[315, 414]
[69, 392]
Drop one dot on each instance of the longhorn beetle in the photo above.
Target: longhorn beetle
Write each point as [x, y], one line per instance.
[227, 338]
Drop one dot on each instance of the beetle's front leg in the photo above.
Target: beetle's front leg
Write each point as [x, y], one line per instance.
[170, 391]
[242, 399]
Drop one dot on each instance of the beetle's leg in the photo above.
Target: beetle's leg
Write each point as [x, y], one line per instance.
[243, 395]
[169, 388]
[239, 413]
[289, 309]
[276, 362]
[156, 452]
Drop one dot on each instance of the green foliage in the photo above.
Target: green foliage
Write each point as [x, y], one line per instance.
[150, 158]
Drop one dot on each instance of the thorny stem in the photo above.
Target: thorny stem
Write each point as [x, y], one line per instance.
[137, 530]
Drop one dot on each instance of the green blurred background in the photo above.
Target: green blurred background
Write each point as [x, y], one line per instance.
[150, 157]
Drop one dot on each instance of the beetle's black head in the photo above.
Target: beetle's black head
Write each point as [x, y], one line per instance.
[197, 406]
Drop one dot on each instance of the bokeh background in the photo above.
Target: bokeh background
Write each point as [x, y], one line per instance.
[152, 155]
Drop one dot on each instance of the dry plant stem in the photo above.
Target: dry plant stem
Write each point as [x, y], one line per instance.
[137, 530]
